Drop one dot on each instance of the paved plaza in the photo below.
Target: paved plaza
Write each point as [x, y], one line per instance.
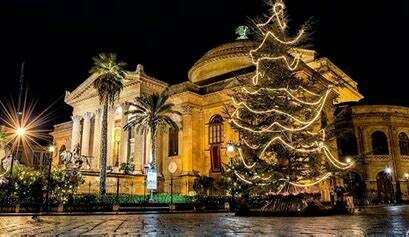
[390, 221]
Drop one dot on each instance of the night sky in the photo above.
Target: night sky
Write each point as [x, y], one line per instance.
[57, 39]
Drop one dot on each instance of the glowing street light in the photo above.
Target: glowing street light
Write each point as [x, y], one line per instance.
[406, 175]
[230, 147]
[20, 131]
[388, 170]
[348, 160]
[51, 149]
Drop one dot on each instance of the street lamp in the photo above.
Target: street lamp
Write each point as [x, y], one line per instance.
[406, 175]
[172, 167]
[388, 170]
[20, 132]
[230, 149]
[230, 146]
[51, 150]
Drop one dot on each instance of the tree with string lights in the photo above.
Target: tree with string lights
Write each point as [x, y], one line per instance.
[282, 147]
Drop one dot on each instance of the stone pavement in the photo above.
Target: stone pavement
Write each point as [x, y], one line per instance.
[381, 221]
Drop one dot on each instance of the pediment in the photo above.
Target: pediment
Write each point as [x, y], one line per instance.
[86, 89]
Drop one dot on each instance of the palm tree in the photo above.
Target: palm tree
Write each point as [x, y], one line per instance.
[152, 113]
[109, 84]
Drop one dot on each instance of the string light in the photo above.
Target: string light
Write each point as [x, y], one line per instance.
[244, 162]
[288, 129]
[315, 104]
[326, 176]
[242, 178]
[289, 92]
[278, 10]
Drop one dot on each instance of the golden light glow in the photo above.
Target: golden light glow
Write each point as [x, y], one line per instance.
[316, 105]
[51, 149]
[24, 129]
[278, 16]
[20, 132]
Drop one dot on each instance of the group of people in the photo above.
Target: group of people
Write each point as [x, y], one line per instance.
[341, 196]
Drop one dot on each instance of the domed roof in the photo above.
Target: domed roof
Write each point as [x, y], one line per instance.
[223, 59]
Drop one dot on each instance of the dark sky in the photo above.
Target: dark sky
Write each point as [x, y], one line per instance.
[57, 39]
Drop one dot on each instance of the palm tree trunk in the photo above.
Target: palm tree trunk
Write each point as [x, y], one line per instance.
[104, 148]
[153, 146]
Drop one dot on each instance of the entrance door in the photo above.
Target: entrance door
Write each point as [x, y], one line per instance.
[355, 186]
[385, 187]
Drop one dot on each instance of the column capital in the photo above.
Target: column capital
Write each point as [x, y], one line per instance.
[98, 112]
[87, 115]
[187, 109]
[76, 118]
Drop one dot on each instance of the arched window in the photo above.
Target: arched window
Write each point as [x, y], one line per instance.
[347, 144]
[216, 130]
[215, 141]
[173, 141]
[404, 144]
[379, 143]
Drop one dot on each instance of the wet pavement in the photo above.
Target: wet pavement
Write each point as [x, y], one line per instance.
[379, 221]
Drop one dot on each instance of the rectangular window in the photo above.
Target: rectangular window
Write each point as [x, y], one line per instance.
[173, 142]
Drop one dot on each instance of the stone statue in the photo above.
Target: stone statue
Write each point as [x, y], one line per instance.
[242, 32]
[74, 159]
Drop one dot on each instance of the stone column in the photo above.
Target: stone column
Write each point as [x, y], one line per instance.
[394, 151]
[187, 139]
[86, 133]
[97, 140]
[76, 131]
[139, 152]
[123, 155]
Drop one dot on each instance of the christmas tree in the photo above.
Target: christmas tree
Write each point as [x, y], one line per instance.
[283, 145]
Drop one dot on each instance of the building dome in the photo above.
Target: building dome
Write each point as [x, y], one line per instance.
[223, 59]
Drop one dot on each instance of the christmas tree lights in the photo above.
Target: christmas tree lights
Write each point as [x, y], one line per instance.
[281, 141]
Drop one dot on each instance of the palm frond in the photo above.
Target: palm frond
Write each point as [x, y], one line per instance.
[110, 76]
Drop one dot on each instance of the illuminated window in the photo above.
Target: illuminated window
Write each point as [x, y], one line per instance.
[380, 143]
[173, 142]
[404, 144]
[216, 130]
[215, 140]
[347, 144]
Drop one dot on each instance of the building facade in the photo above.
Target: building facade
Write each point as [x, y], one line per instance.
[199, 148]
[377, 138]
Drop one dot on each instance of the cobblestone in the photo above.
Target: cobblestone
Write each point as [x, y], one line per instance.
[380, 221]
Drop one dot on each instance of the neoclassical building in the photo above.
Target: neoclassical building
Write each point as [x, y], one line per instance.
[377, 138]
[199, 148]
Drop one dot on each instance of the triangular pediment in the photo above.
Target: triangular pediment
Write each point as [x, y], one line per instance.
[86, 89]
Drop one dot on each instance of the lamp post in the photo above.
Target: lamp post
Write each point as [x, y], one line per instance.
[51, 150]
[406, 175]
[172, 167]
[20, 132]
[230, 149]
[146, 167]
